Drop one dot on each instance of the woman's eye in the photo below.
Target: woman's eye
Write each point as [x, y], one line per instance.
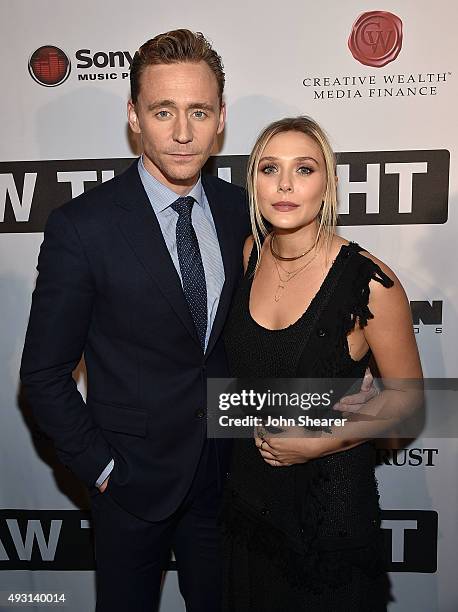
[305, 170]
[268, 169]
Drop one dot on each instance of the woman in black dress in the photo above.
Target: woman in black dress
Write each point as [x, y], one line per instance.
[301, 516]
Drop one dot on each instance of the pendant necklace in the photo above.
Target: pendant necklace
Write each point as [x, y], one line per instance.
[282, 282]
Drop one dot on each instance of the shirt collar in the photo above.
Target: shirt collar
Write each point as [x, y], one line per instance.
[161, 196]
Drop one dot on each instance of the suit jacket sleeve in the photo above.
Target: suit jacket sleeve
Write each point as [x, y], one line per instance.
[60, 317]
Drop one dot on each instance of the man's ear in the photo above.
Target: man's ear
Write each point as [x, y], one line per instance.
[222, 118]
[132, 117]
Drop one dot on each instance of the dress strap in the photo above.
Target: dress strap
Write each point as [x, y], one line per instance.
[368, 270]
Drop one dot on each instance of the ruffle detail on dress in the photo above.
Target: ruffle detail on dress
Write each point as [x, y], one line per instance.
[357, 310]
[311, 570]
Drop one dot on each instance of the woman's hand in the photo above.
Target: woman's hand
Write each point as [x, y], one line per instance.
[285, 451]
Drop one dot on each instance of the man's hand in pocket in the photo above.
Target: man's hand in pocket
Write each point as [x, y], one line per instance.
[104, 484]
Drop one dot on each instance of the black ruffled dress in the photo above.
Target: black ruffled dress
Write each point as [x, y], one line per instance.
[305, 537]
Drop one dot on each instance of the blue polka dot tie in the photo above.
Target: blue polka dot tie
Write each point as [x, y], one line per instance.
[191, 266]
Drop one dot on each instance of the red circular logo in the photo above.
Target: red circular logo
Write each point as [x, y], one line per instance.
[376, 38]
[49, 66]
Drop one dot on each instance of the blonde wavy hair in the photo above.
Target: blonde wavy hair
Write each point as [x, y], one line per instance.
[327, 216]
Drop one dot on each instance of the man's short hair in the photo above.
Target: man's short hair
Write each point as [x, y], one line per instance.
[173, 47]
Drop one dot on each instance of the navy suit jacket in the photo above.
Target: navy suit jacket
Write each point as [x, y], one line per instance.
[107, 288]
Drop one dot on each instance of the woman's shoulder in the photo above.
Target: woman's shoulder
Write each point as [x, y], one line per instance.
[247, 249]
[248, 245]
[379, 273]
[367, 281]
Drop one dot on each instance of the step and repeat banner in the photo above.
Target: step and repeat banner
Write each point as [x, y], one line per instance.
[382, 80]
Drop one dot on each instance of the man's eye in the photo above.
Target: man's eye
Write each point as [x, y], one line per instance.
[268, 169]
[162, 114]
[199, 114]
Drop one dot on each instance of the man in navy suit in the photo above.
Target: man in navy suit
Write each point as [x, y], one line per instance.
[138, 275]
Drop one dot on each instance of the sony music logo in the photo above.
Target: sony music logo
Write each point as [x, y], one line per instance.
[51, 66]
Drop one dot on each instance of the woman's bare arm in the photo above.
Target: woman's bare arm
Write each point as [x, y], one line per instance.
[391, 339]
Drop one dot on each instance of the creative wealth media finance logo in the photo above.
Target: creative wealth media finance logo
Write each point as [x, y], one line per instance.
[376, 38]
[49, 66]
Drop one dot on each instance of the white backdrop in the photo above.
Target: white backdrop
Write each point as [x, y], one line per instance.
[276, 57]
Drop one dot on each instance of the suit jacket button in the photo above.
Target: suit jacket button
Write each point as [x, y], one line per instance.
[321, 333]
[200, 413]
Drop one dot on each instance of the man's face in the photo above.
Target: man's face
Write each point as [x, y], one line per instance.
[178, 115]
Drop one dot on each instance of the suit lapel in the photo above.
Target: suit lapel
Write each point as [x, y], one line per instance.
[222, 219]
[140, 227]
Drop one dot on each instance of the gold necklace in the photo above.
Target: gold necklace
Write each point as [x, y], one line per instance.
[288, 272]
[280, 257]
[282, 282]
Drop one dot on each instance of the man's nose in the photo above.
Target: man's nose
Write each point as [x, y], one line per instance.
[182, 130]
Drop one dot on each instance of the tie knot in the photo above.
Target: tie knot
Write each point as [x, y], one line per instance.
[183, 206]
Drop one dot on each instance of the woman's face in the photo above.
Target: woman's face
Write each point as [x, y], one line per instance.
[291, 180]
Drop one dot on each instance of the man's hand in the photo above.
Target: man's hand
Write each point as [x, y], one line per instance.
[354, 403]
[104, 485]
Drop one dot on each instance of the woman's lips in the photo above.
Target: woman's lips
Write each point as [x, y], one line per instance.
[285, 206]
